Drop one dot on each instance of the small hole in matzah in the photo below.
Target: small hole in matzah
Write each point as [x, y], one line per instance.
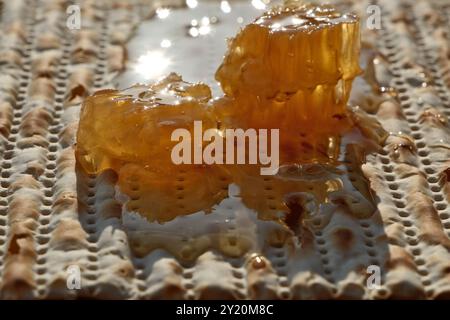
[426, 282]
[369, 243]
[399, 204]
[92, 258]
[444, 216]
[371, 253]
[435, 188]
[393, 186]
[420, 262]
[365, 224]
[407, 223]
[423, 272]
[41, 270]
[92, 267]
[368, 233]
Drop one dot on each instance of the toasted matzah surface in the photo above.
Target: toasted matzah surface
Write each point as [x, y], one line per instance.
[52, 216]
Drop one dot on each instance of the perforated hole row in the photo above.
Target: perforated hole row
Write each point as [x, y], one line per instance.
[18, 101]
[429, 56]
[236, 264]
[277, 254]
[368, 236]
[279, 262]
[238, 274]
[423, 150]
[188, 274]
[49, 177]
[93, 265]
[140, 276]
[394, 55]
[369, 243]
[323, 251]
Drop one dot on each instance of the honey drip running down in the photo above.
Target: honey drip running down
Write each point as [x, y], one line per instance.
[292, 70]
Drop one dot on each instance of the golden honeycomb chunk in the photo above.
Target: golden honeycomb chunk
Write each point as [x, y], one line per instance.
[135, 124]
[292, 68]
[129, 131]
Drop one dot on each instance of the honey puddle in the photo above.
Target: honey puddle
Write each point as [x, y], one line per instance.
[236, 211]
[233, 209]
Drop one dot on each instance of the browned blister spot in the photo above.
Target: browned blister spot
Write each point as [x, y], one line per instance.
[42, 89]
[343, 238]
[69, 235]
[36, 122]
[84, 50]
[6, 115]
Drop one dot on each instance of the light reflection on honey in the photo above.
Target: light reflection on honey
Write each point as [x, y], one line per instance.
[154, 63]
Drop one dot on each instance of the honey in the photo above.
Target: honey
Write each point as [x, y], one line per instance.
[290, 70]
[129, 131]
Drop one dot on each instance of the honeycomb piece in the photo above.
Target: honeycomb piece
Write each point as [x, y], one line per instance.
[130, 132]
[292, 68]
[292, 48]
[135, 125]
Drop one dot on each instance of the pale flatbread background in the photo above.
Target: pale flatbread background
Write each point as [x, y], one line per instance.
[53, 217]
